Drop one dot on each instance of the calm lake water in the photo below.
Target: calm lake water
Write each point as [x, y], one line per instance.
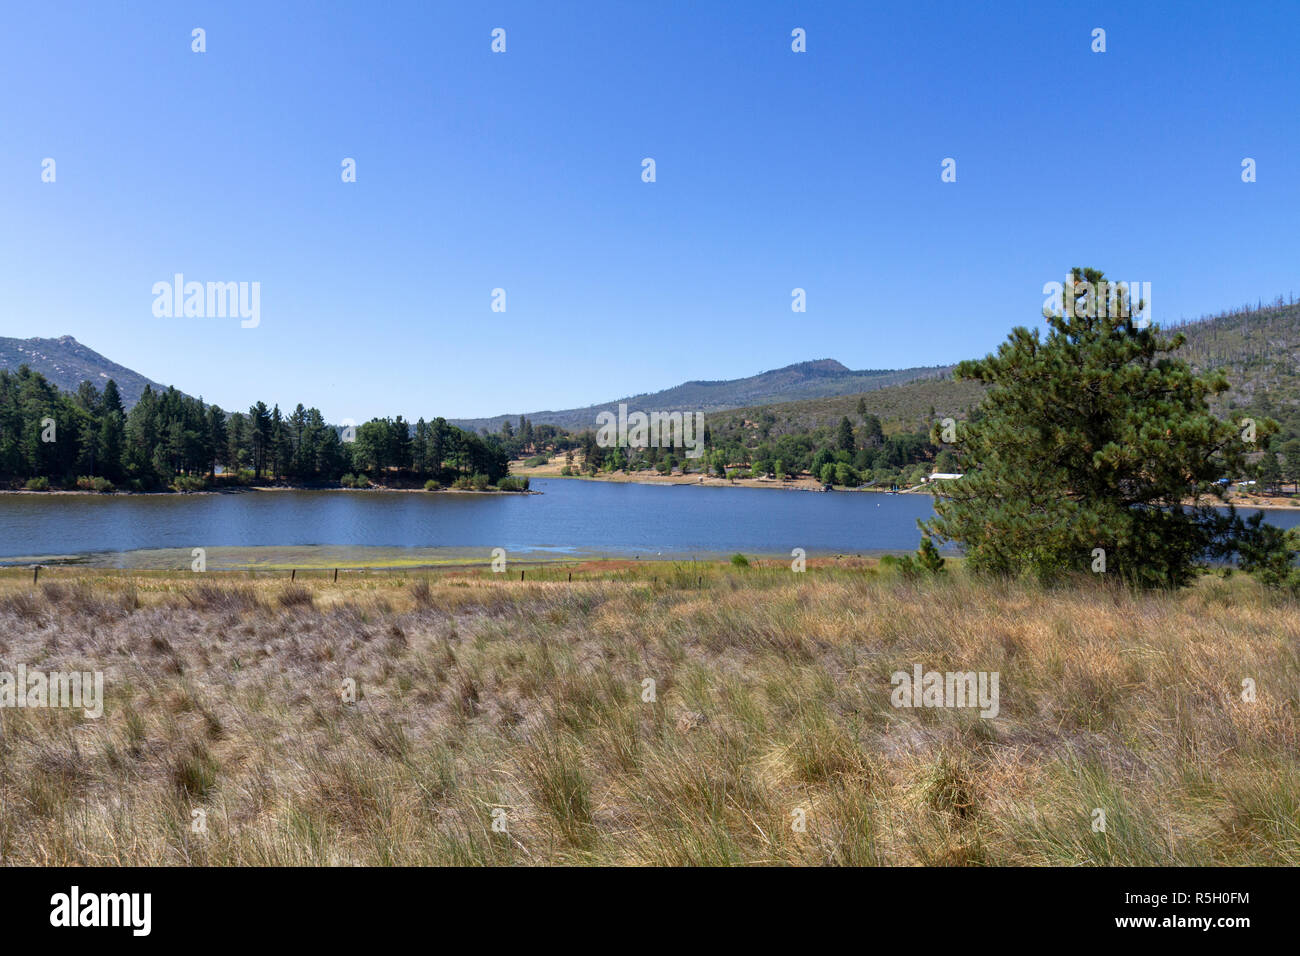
[569, 517]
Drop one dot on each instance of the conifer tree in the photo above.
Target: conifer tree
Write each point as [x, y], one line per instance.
[1094, 437]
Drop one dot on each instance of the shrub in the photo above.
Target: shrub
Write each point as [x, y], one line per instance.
[432, 485]
[512, 484]
[95, 483]
[739, 560]
[194, 773]
[355, 481]
[1268, 553]
[904, 565]
[295, 595]
[422, 593]
[38, 484]
[928, 556]
[481, 482]
[536, 461]
[189, 483]
[461, 484]
[566, 471]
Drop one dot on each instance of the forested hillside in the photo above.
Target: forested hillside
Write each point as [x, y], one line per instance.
[1259, 351]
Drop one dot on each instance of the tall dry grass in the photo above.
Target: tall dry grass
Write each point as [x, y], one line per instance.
[481, 699]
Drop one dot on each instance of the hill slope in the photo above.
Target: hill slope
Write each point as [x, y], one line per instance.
[1259, 352]
[1258, 349]
[67, 363]
[804, 380]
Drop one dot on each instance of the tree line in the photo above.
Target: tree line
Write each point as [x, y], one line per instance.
[847, 454]
[88, 439]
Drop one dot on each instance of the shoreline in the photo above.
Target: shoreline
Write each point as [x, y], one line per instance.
[1270, 503]
[246, 489]
[709, 481]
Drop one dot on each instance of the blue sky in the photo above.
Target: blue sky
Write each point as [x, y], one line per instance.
[522, 171]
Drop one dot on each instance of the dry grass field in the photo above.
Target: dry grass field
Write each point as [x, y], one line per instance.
[481, 697]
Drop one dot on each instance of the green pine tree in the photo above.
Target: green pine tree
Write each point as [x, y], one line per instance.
[1092, 438]
[928, 557]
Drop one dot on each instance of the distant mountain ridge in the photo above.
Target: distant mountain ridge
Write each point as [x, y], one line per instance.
[1257, 347]
[67, 363]
[803, 380]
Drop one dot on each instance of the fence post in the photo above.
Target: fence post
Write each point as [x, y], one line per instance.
[336, 575]
[293, 574]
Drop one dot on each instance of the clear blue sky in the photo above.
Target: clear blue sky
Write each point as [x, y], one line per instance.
[523, 171]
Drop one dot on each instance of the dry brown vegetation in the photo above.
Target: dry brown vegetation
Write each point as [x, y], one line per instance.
[479, 694]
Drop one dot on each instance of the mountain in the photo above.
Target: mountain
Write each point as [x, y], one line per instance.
[1257, 348]
[804, 380]
[67, 363]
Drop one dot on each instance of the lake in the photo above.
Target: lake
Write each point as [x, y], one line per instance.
[571, 518]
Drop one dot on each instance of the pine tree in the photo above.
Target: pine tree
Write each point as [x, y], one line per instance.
[420, 447]
[1091, 439]
[301, 454]
[928, 557]
[845, 435]
[281, 449]
[217, 438]
[142, 437]
[1269, 472]
[260, 435]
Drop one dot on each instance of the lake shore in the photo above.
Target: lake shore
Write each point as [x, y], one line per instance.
[806, 483]
[244, 489]
[803, 483]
